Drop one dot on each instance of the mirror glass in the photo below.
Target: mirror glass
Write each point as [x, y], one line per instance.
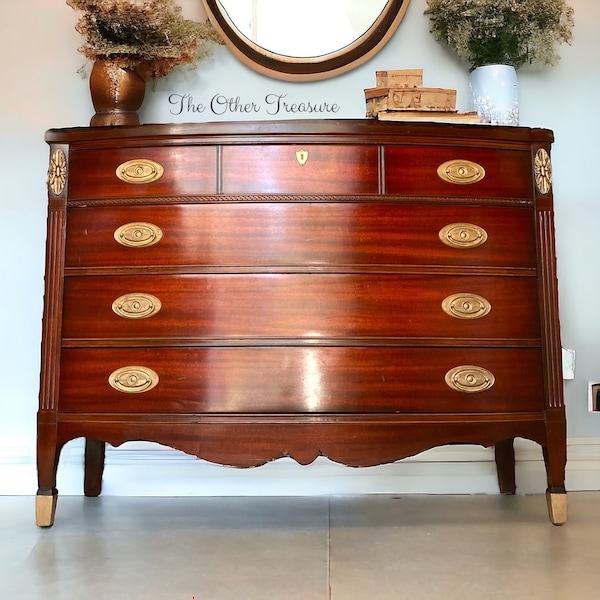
[302, 28]
[305, 39]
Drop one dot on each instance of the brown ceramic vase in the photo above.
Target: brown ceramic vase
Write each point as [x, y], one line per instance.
[117, 94]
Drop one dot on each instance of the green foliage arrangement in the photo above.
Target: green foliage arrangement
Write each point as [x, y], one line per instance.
[151, 33]
[509, 32]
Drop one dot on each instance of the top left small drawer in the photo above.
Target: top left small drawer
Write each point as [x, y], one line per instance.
[143, 172]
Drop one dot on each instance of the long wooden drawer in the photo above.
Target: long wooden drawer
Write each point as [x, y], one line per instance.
[300, 305]
[309, 234]
[300, 169]
[450, 171]
[300, 380]
[185, 170]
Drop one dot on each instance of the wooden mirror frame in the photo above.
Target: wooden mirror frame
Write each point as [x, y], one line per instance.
[313, 68]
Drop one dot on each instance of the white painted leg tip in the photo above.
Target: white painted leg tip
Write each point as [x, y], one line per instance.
[45, 507]
[557, 508]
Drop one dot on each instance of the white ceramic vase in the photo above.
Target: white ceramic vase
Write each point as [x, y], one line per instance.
[495, 94]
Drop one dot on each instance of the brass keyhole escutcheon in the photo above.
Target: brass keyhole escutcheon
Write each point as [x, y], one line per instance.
[302, 157]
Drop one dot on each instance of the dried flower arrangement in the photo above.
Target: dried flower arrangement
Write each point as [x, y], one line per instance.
[152, 33]
[509, 32]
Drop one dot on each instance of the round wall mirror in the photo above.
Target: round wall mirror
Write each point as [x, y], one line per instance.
[305, 40]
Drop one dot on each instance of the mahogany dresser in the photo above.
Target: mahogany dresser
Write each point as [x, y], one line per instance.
[354, 289]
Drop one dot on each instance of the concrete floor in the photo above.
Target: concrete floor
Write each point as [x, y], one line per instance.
[341, 548]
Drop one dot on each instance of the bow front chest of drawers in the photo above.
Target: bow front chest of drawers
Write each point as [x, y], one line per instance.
[353, 289]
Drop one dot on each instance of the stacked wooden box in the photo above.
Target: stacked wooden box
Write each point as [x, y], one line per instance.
[400, 96]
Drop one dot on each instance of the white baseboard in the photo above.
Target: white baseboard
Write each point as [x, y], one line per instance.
[144, 469]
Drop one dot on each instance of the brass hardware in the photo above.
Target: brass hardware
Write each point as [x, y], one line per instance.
[460, 171]
[136, 306]
[302, 157]
[463, 235]
[138, 235]
[466, 306]
[543, 171]
[57, 172]
[469, 379]
[133, 380]
[140, 170]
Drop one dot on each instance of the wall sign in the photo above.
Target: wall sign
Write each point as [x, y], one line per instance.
[272, 104]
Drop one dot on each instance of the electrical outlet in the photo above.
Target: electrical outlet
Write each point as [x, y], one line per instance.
[594, 397]
[568, 363]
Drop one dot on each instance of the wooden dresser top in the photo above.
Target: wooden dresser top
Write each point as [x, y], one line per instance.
[318, 130]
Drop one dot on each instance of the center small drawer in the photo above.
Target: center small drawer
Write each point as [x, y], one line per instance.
[300, 169]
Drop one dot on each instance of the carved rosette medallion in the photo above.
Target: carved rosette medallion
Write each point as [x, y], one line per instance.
[138, 234]
[466, 306]
[469, 379]
[57, 172]
[136, 306]
[461, 172]
[543, 171]
[140, 170]
[463, 235]
[133, 379]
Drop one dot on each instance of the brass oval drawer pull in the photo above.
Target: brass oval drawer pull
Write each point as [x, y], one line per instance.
[140, 170]
[469, 379]
[463, 235]
[133, 379]
[466, 306]
[138, 235]
[137, 305]
[461, 172]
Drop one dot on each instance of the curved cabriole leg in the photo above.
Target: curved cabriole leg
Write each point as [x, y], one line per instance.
[505, 465]
[94, 467]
